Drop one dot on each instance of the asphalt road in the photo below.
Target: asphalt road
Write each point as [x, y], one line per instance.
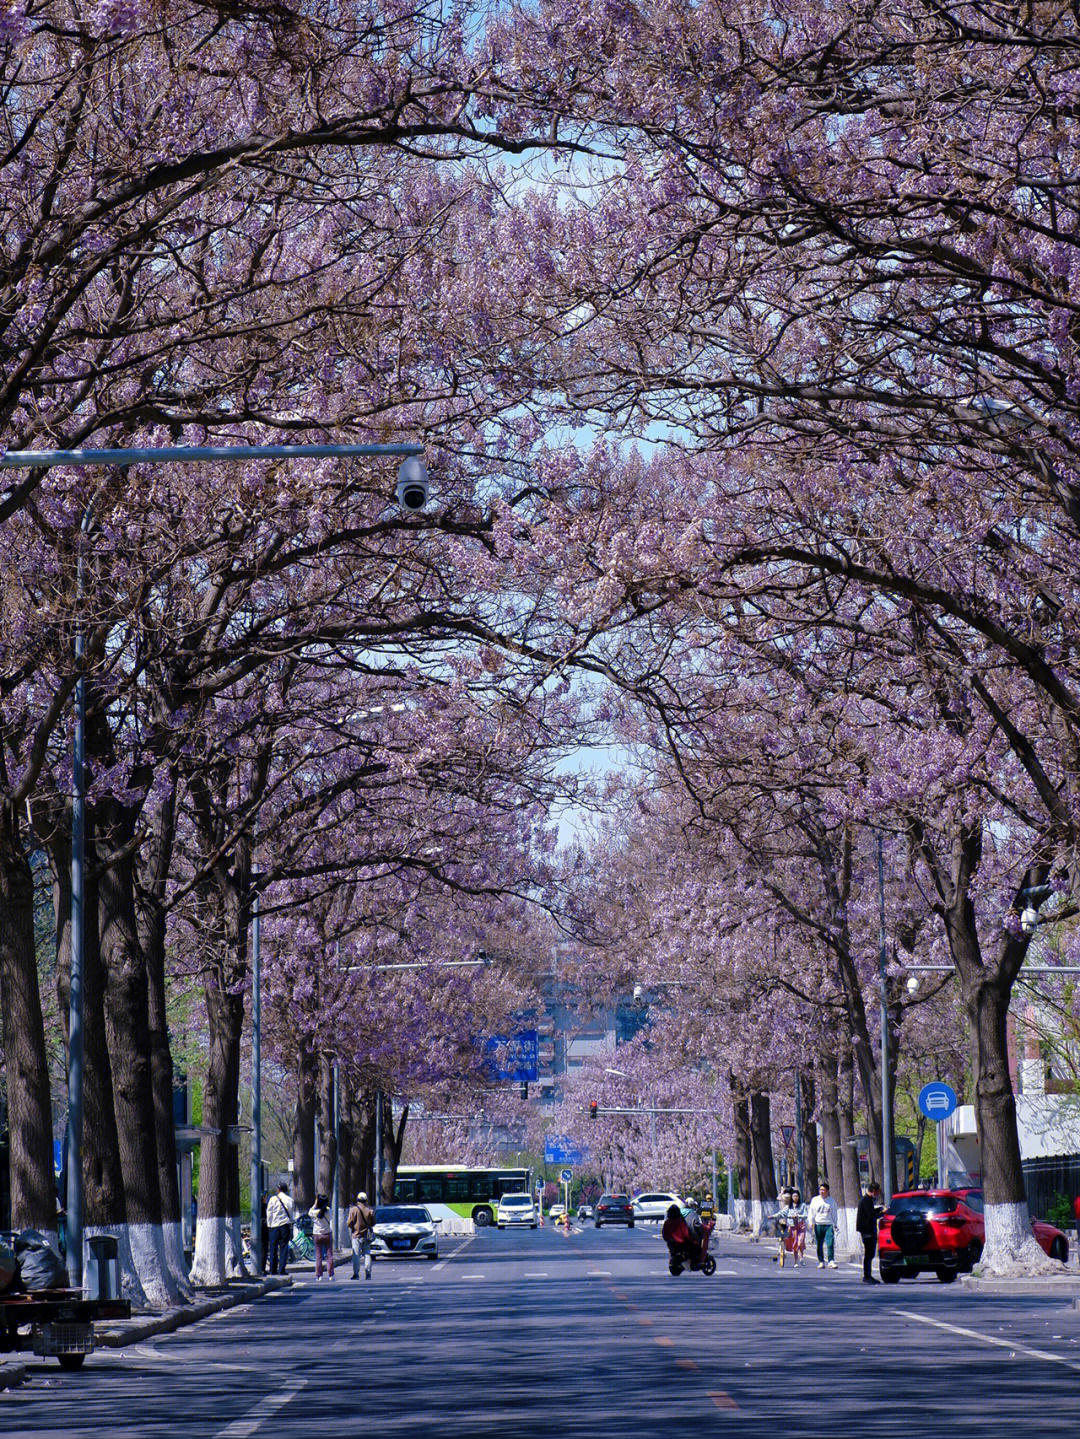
[535, 1334]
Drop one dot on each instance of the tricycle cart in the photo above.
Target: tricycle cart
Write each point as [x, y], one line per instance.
[55, 1321]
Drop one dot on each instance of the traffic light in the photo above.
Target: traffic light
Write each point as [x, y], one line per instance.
[592, 1108]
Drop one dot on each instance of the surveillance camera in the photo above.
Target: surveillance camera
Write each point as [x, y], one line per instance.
[1029, 919]
[913, 983]
[412, 484]
[639, 993]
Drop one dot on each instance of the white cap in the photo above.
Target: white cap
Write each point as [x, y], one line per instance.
[362, 1197]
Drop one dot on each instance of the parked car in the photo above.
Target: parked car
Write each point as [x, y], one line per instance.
[614, 1209]
[942, 1231]
[404, 1230]
[655, 1205]
[516, 1211]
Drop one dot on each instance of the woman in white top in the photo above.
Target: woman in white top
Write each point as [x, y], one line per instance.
[322, 1235]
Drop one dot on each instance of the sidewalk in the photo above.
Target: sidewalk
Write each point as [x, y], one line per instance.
[117, 1334]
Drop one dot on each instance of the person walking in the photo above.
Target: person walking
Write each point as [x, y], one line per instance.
[322, 1235]
[824, 1217]
[361, 1222]
[280, 1217]
[866, 1222]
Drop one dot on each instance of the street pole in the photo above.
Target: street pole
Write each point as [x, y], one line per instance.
[73, 1148]
[378, 1145]
[256, 1084]
[888, 1159]
[334, 1208]
[715, 1195]
[800, 1162]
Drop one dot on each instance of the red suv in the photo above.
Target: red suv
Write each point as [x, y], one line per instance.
[942, 1230]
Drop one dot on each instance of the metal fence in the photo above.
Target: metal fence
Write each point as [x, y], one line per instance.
[1045, 1179]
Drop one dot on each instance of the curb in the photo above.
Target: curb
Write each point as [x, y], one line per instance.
[141, 1329]
[1050, 1287]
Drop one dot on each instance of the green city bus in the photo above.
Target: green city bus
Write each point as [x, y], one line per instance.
[468, 1192]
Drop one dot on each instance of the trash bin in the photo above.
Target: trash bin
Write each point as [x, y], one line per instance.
[101, 1273]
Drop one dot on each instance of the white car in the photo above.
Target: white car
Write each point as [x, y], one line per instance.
[404, 1231]
[556, 1211]
[655, 1205]
[516, 1210]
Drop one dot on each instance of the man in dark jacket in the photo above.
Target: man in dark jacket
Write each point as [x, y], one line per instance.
[866, 1221]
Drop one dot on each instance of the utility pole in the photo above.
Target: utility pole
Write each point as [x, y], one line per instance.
[888, 1159]
[256, 1082]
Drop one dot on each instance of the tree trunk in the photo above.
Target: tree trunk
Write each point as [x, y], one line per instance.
[103, 1182]
[763, 1168]
[362, 1137]
[304, 1130]
[225, 1015]
[127, 1025]
[30, 1130]
[327, 1141]
[848, 1200]
[809, 1136]
[831, 1171]
[151, 921]
[392, 1146]
[741, 1114]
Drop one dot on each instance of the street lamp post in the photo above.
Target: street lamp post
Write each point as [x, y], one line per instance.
[888, 1162]
[256, 1084]
[411, 494]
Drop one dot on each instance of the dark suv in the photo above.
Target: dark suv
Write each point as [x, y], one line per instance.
[942, 1230]
[614, 1209]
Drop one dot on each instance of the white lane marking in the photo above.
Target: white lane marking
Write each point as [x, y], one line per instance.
[541, 1274]
[452, 1255]
[265, 1409]
[989, 1339]
[472, 1276]
[602, 1273]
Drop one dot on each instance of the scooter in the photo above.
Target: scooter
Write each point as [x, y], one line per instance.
[681, 1256]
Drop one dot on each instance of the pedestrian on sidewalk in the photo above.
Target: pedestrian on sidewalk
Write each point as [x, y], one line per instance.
[824, 1217]
[361, 1221]
[322, 1235]
[280, 1217]
[866, 1222]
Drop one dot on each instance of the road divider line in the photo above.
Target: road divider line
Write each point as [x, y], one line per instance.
[264, 1410]
[990, 1339]
[453, 1254]
[722, 1400]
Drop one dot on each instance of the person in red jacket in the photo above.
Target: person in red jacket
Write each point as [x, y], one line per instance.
[676, 1232]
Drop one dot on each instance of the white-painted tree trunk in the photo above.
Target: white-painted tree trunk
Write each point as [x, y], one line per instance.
[742, 1214]
[148, 1251]
[131, 1287]
[761, 1212]
[208, 1269]
[1011, 1249]
[177, 1260]
[847, 1236]
[236, 1266]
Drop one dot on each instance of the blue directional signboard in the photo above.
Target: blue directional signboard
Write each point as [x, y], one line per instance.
[937, 1101]
[559, 1149]
[514, 1056]
[566, 1175]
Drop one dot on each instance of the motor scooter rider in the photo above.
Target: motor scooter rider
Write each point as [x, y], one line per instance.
[676, 1233]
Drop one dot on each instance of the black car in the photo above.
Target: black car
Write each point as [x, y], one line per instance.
[614, 1209]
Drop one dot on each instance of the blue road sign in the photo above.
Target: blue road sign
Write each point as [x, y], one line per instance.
[514, 1056]
[559, 1149]
[937, 1100]
[566, 1175]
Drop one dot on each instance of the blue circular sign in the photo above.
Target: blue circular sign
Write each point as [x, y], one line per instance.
[937, 1100]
